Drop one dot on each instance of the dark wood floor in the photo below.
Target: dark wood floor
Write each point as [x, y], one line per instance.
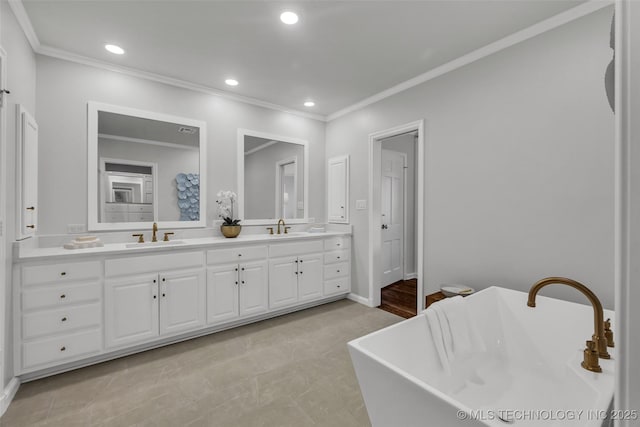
[400, 298]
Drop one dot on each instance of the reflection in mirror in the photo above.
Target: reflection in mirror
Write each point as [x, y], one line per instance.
[148, 168]
[274, 177]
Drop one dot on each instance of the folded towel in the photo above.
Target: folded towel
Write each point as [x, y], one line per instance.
[455, 337]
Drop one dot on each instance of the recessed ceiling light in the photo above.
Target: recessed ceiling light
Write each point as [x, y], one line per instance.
[114, 49]
[289, 17]
[231, 82]
[309, 103]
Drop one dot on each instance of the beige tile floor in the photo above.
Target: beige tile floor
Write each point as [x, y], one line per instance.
[293, 370]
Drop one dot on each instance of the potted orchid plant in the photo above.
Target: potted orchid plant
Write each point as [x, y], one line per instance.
[226, 200]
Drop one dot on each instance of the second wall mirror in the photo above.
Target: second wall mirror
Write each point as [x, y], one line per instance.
[272, 178]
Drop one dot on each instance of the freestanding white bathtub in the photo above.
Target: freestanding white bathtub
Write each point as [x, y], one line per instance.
[530, 373]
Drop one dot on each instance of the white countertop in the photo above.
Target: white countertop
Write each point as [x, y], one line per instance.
[27, 253]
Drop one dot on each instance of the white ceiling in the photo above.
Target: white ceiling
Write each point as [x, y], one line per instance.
[339, 53]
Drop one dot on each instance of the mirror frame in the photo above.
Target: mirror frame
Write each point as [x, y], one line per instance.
[241, 214]
[93, 108]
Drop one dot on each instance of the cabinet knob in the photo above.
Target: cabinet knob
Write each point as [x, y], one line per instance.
[337, 271]
[301, 272]
[337, 244]
[31, 208]
[31, 226]
[338, 285]
[236, 282]
[338, 257]
[164, 295]
[64, 319]
[154, 280]
[63, 273]
[163, 279]
[236, 269]
[242, 268]
[296, 272]
[239, 254]
[155, 296]
[63, 296]
[63, 348]
[243, 282]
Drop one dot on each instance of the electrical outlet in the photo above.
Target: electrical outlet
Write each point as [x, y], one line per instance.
[361, 205]
[76, 228]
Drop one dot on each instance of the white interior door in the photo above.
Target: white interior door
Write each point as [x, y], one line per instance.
[392, 198]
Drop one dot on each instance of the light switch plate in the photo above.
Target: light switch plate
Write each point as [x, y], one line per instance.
[361, 205]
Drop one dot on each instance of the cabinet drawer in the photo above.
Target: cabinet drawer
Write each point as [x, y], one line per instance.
[337, 270]
[115, 207]
[297, 248]
[33, 275]
[59, 295]
[153, 263]
[55, 349]
[337, 286]
[336, 256]
[338, 242]
[60, 320]
[140, 208]
[140, 217]
[116, 217]
[239, 254]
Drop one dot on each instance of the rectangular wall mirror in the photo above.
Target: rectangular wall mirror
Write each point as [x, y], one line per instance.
[272, 178]
[144, 167]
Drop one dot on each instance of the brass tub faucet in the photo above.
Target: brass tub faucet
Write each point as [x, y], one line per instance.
[597, 346]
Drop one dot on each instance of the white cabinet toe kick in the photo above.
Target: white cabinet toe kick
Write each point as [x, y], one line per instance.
[79, 313]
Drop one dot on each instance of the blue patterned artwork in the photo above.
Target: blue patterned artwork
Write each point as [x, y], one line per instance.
[188, 186]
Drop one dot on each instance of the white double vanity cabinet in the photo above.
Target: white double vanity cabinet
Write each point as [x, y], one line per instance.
[74, 308]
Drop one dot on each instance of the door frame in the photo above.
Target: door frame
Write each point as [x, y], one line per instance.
[279, 175]
[375, 241]
[4, 400]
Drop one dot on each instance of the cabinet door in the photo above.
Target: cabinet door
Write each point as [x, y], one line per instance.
[283, 282]
[310, 270]
[338, 189]
[28, 170]
[253, 288]
[131, 310]
[222, 293]
[182, 301]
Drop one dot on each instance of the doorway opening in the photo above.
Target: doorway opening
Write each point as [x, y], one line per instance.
[398, 285]
[396, 219]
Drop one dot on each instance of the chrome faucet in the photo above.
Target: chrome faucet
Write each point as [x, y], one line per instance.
[597, 346]
[281, 221]
[154, 238]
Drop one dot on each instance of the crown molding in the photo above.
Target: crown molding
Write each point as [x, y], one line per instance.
[504, 43]
[84, 60]
[23, 19]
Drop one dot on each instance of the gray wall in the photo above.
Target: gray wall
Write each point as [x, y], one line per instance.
[406, 144]
[63, 91]
[519, 165]
[21, 81]
[260, 179]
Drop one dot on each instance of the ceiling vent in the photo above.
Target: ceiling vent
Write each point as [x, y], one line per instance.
[189, 131]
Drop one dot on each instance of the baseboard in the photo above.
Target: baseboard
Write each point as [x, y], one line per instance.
[410, 276]
[8, 393]
[360, 300]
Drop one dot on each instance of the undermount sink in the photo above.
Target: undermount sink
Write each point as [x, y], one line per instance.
[291, 234]
[160, 244]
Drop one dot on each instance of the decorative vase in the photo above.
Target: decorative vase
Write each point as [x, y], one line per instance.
[230, 231]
